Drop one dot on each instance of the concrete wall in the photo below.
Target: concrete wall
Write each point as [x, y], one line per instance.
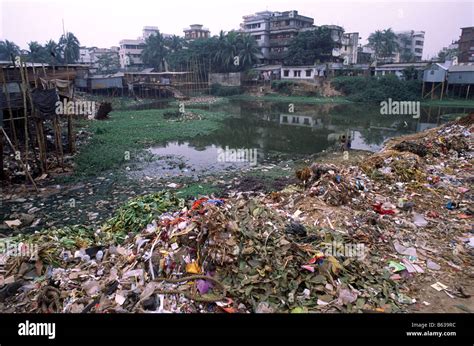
[299, 73]
[225, 79]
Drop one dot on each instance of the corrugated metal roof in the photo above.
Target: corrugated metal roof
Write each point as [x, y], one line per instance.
[268, 67]
[156, 73]
[462, 68]
[402, 65]
[104, 76]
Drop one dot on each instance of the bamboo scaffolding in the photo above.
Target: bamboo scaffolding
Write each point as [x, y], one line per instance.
[7, 96]
[25, 112]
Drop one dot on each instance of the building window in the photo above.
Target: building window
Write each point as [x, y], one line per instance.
[258, 37]
[306, 121]
[296, 73]
[286, 73]
[432, 72]
[284, 119]
[308, 73]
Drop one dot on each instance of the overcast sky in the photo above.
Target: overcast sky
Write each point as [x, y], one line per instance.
[103, 23]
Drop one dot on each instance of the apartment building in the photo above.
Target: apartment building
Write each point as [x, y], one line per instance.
[466, 45]
[196, 31]
[131, 52]
[410, 44]
[84, 55]
[273, 31]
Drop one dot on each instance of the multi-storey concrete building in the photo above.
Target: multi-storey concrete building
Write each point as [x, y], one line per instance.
[410, 46]
[84, 55]
[273, 31]
[131, 52]
[196, 31]
[466, 45]
[349, 48]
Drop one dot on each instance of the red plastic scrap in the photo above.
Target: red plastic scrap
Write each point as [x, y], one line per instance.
[378, 208]
[199, 202]
[316, 259]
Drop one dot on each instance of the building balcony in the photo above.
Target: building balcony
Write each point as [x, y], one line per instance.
[261, 28]
[285, 27]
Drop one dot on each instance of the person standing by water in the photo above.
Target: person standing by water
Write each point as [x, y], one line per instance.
[345, 142]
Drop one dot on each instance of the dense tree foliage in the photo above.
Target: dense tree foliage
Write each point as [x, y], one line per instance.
[8, 50]
[376, 89]
[66, 51]
[310, 47]
[108, 63]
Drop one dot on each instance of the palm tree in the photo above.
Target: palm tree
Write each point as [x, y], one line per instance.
[390, 43]
[155, 52]
[69, 45]
[249, 51]
[228, 50]
[376, 42]
[8, 50]
[384, 43]
[36, 52]
[53, 52]
[174, 43]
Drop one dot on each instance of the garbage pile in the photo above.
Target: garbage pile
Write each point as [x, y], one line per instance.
[234, 255]
[410, 205]
[349, 239]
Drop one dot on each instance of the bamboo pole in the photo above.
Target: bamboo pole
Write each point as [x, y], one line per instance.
[23, 89]
[58, 141]
[10, 112]
[70, 130]
[32, 108]
[2, 176]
